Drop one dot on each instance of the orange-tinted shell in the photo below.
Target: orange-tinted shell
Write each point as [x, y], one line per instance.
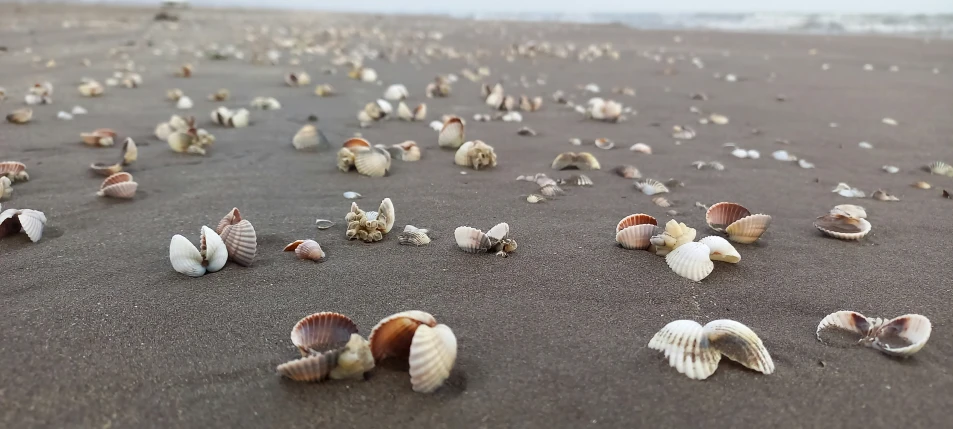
[394, 334]
[356, 142]
[322, 331]
[636, 219]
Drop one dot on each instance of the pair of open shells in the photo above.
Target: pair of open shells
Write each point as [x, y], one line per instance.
[844, 222]
[418, 113]
[310, 137]
[119, 185]
[370, 226]
[530, 104]
[475, 154]
[373, 161]
[14, 170]
[238, 118]
[306, 249]
[604, 110]
[374, 111]
[193, 262]
[736, 221]
[30, 222]
[130, 153]
[579, 161]
[901, 336]
[687, 258]
[496, 240]
[696, 350]
[452, 133]
[331, 348]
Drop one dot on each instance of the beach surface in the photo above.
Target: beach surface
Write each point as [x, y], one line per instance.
[98, 331]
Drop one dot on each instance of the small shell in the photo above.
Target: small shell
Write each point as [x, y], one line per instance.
[119, 185]
[31, 222]
[749, 229]
[572, 160]
[312, 368]
[409, 151]
[843, 227]
[297, 79]
[20, 116]
[471, 240]
[636, 219]
[691, 260]
[605, 144]
[396, 92]
[577, 180]
[324, 90]
[417, 237]
[526, 131]
[684, 344]
[324, 223]
[628, 172]
[662, 202]
[184, 103]
[106, 169]
[386, 216]
[433, 352]
[922, 185]
[651, 187]
[394, 334]
[740, 344]
[452, 133]
[641, 148]
[534, 198]
[309, 137]
[903, 336]
[635, 237]
[374, 162]
[185, 257]
[718, 119]
[475, 154]
[403, 112]
[882, 195]
[322, 331]
[849, 210]
[241, 241]
[721, 249]
[163, 131]
[891, 169]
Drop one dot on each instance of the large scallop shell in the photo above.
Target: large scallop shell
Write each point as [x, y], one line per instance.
[373, 162]
[241, 241]
[472, 240]
[719, 216]
[433, 352]
[452, 133]
[306, 249]
[691, 260]
[635, 231]
[721, 249]
[683, 343]
[748, 229]
[119, 185]
[843, 227]
[394, 334]
[321, 332]
[31, 222]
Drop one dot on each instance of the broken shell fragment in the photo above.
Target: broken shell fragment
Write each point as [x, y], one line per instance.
[189, 260]
[901, 336]
[691, 261]
[324, 223]
[30, 222]
[579, 161]
[306, 249]
[413, 236]
[118, 185]
[476, 155]
[695, 351]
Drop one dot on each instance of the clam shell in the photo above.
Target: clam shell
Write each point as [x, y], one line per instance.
[636, 237]
[396, 92]
[239, 119]
[105, 169]
[309, 137]
[636, 219]
[842, 227]
[213, 250]
[163, 131]
[661, 202]
[374, 162]
[119, 185]
[903, 336]
[691, 260]
[185, 258]
[312, 368]
[498, 232]
[651, 187]
[433, 352]
[31, 222]
[740, 344]
[241, 241]
[471, 240]
[180, 141]
[719, 216]
[749, 229]
[849, 210]
[356, 143]
[394, 334]
[451, 134]
[605, 144]
[721, 249]
[386, 216]
[184, 103]
[420, 112]
[233, 217]
[322, 331]
[684, 344]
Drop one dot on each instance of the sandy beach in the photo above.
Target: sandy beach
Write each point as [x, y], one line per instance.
[100, 332]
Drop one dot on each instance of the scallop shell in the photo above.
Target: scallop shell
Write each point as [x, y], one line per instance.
[420, 112]
[396, 92]
[719, 216]
[636, 219]
[691, 260]
[721, 249]
[12, 169]
[684, 344]
[306, 249]
[119, 185]
[661, 202]
[651, 187]
[310, 369]
[403, 112]
[849, 210]
[577, 180]
[394, 334]
[309, 137]
[498, 232]
[451, 134]
[843, 227]
[636, 237]
[433, 352]
[241, 241]
[471, 240]
[940, 168]
[748, 229]
[414, 238]
[105, 169]
[740, 344]
[233, 217]
[31, 222]
[321, 332]
[374, 162]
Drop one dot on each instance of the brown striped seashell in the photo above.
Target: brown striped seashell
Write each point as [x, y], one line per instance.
[306, 249]
[352, 360]
[452, 134]
[14, 170]
[373, 162]
[233, 217]
[476, 155]
[321, 332]
[241, 241]
[310, 137]
[843, 227]
[409, 151]
[695, 350]
[105, 169]
[30, 222]
[635, 231]
[651, 187]
[394, 334]
[414, 236]
[20, 116]
[628, 172]
[433, 352]
[902, 336]
[130, 152]
[580, 161]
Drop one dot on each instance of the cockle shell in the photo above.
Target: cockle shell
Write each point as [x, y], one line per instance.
[396, 92]
[409, 151]
[721, 249]
[661, 202]
[386, 216]
[306, 249]
[324, 90]
[221, 95]
[472, 240]
[901, 336]
[433, 352]
[414, 236]
[184, 103]
[394, 334]
[735, 220]
[580, 161]
[475, 154]
[577, 180]
[373, 162]
[101, 137]
[321, 332]
[163, 131]
[309, 138]
[651, 187]
[691, 261]
[843, 227]
[350, 361]
[188, 260]
[31, 222]
[130, 152]
[940, 168]
[241, 241]
[119, 185]
[452, 133]
[635, 231]
[695, 351]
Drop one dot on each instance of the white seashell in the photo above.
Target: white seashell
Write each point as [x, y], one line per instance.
[386, 217]
[185, 258]
[436, 125]
[753, 154]
[891, 169]
[739, 153]
[184, 103]
[374, 162]
[900, 336]
[471, 240]
[695, 351]
[889, 121]
[865, 145]
[512, 117]
[396, 92]
[721, 249]
[651, 186]
[691, 260]
[718, 119]
[783, 155]
[64, 116]
[641, 147]
[78, 110]
[30, 222]
[352, 195]
[432, 355]
[805, 164]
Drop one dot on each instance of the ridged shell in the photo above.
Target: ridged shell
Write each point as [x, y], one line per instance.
[386, 216]
[635, 219]
[651, 187]
[498, 232]
[843, 227]
[577, 180]
[11, 167]
[312, 368]
[373, 163]
[105, 169]
[321, 332]
[409, 151]
[452, 134]
[471, 240]
[234, 216]
[432, 355]
[691, 260]
[213, 249]
[394, 334]
[306, 249]
[403, 112]
[903, 336]
[185, 257]
[163, 131]
[719, 216]
[636, 237]
[748, 229]
[721, 249]
[241, 241]
[740, 344]
[119, 185]
[849, 210]
[843, 328]
[31, 222]
[420, 112]
[685, 345]
[413, 238]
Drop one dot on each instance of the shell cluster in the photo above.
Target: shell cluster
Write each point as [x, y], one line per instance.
[330, 348]
[370, 226]
[844, 222]
[27, 221]
[548, 187]
[14, 170]
[233, 239]
[901, 336]
[496, 240]
[357, 153]
[695, 350]
[475, 154]
[687, 258]
[374, 111]
[182, 136]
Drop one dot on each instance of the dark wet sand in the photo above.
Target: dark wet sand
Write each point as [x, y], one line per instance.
[98, 331]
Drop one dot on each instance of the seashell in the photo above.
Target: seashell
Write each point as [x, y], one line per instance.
[130, 152]
[297, 79]
[91, 89]
[320, 332]
[865, 145]
[403, 112]
[718, 119]
[891, 169]
[368, 75]
[472, 240]
[577, 180]
[651, 186]
[30, 222]
[307, 249]
[308, 138]
[845, 190]
[882, 195]
[682, 133]
[184, 103]
[374, 162]
[642, 148]
[940, 168]
[526, 131]
[433, 352]
[78, 110]
[475, 154]
[396, 92]
[889, 121]
[420, 112]
[437, 125]
[695, 351]
[240, 240]
[64, 116]
[604, 144]
[6, 187]
[512, 117]
[179, 123]
[220, 95]
[324, 90]
[106, 169]
[163, 131]
[118, 185]
[184, 71]
[739, 153]
[691, 261]
[393, 335]
[783, 155]
[843, 227]
[409, 151]
[15, 171]
[174, 94]
[719, 216]
[749, 229]
[849, 210]
[352, 195]
[534, 198]
[803, 163]
[180, 141]
[413, 236]
[386, 216]
[188, 260]
[581, 161]
[721, 249]
[661, 202]
[901, 336]
[239, 118]
[922, 185]
[628, 172]
[265, 103]
[20, 116]
[452, 133]
[350, 361]
[635, 231]
[509, 104]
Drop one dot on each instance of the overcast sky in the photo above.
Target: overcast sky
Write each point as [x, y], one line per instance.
[725, 6]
